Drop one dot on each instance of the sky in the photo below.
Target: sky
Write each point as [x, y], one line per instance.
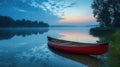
[53, 12]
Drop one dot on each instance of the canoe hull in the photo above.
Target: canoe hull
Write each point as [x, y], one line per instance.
[88, 50]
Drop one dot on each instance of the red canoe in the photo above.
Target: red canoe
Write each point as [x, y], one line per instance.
[78, 48]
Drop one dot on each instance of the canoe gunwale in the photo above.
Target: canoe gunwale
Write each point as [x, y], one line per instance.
[50, 40]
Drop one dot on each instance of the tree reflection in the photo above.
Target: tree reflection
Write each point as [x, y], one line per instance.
[9, 33]
[102, 33]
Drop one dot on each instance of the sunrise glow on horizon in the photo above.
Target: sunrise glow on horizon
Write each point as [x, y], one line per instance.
[77, 19]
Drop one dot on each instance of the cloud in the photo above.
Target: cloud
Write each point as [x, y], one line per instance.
[56, 7]
[34, 4]
[24, 1]
[20, 10]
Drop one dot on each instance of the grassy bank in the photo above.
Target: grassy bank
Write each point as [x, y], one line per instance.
[113, 36]
[114, 50]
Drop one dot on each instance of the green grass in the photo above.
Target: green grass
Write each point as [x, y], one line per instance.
[114, 50]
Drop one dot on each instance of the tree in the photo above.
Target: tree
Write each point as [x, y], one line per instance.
[107, 12]
[6, 21]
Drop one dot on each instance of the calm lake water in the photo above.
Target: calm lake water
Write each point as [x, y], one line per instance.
[28, 48]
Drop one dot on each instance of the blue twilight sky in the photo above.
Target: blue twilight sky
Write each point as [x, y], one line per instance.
[50, 11]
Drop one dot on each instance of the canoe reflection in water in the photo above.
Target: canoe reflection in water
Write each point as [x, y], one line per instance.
[88, 60]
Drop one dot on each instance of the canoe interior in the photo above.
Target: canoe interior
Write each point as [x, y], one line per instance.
[70, 43]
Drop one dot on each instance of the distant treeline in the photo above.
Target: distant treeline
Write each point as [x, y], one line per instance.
[6, 21]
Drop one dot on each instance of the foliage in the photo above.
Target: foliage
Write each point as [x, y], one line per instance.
[107, 12]
[6, 21]
[114, 52]
[102, 32]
